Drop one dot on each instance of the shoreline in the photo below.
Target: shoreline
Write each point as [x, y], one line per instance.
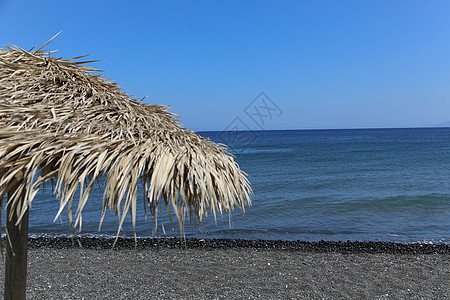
[211, 244]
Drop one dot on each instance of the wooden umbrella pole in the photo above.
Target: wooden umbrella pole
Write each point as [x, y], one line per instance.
[16, 257]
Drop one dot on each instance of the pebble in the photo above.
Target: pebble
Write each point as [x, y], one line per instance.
[269, 245]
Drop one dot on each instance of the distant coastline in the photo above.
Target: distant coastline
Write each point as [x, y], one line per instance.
[442, 124]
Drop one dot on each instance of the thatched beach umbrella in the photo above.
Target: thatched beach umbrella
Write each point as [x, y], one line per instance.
[61, 122]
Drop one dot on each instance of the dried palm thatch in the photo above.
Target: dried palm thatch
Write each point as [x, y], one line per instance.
[59, 121]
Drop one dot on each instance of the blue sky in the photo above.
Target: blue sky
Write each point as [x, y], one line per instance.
[325, 64]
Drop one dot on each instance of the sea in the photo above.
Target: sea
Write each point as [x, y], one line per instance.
[311, 185]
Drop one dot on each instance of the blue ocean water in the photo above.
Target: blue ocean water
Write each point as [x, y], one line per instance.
[359, 184]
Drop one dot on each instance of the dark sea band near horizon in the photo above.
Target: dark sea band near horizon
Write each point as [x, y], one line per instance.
[377, 185]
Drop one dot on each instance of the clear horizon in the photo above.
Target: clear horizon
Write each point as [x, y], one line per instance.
[352, 128]
[320, 65]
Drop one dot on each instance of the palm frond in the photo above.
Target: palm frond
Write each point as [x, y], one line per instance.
[62, 122]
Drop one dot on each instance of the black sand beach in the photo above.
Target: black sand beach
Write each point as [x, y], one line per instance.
[234, 269]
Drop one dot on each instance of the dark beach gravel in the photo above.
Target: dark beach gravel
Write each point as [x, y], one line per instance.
[193, 243]
[173, 268]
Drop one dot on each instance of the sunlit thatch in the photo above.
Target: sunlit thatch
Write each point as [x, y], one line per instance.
[60, 121]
